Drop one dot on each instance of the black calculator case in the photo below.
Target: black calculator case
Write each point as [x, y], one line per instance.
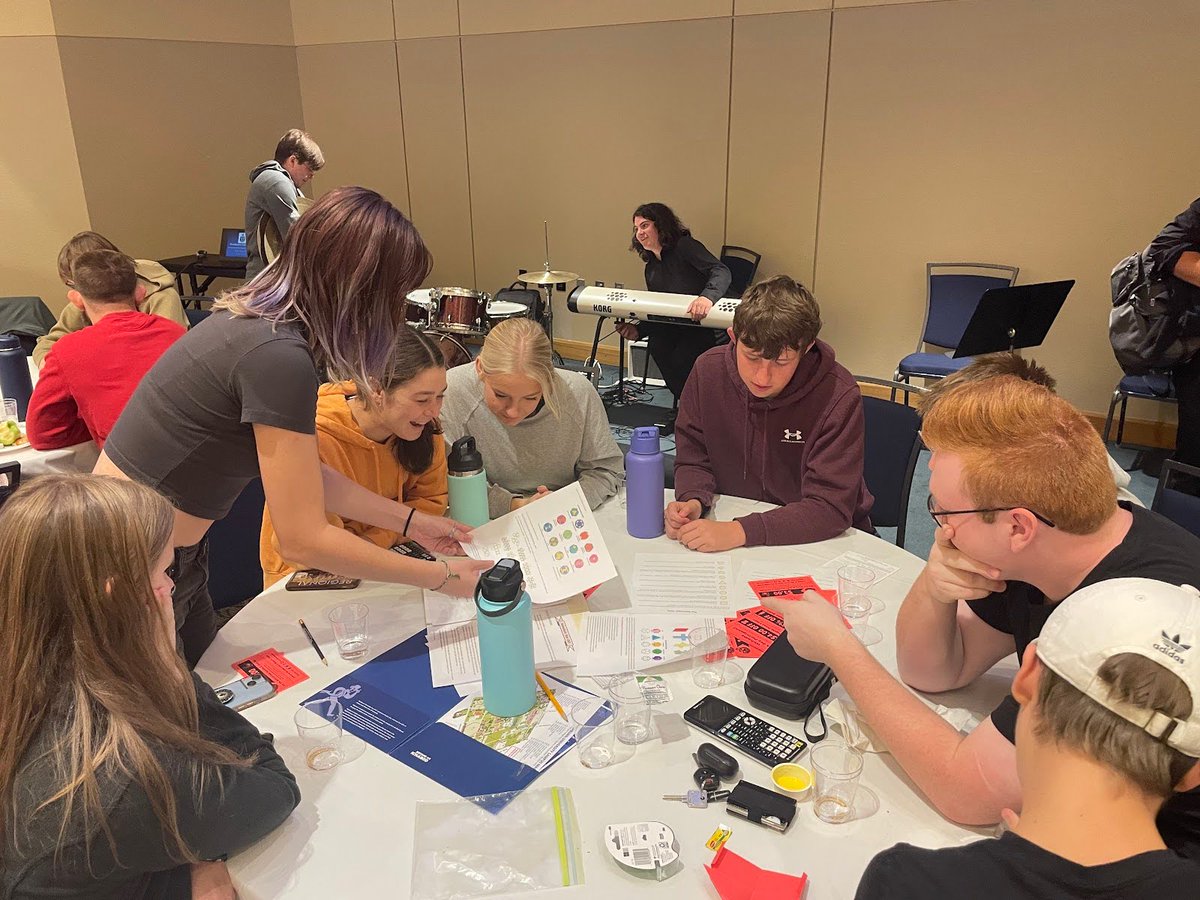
[785, 684]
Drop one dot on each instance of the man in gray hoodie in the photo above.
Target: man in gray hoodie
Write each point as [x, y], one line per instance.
[275, 189]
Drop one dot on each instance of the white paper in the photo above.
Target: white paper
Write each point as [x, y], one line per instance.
[612, 643]
[826, 575]
[685, 585]
[555, 539]
[441, 609]
[535, 738]
[454, 649]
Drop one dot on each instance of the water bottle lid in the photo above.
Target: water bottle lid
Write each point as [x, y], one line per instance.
[463, 456]
[644, 440]
[501, 586]
[9, 341]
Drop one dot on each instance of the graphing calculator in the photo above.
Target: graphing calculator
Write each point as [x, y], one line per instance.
[745, 731]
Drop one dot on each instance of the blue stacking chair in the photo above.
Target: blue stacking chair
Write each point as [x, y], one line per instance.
[743, 266]
[1181, 507]
[893, 443]
[234, 570]
[1141, 387]
[953, 291]
[196, 316]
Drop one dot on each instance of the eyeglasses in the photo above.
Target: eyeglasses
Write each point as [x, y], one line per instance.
[935, 513]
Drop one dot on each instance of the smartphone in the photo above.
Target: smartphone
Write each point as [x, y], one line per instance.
[413, 550]
[245, 692]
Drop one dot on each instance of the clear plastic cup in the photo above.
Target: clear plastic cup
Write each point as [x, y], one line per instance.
[836, 768]
[710, 654]
[595, 732]
[10, 410]
[349, 623]
[631, 710]
[854, 600]
[319, 724]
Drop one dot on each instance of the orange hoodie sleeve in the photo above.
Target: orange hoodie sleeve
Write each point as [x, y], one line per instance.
[428, 490]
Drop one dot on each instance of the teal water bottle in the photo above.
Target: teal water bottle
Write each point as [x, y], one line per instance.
[505, 619]
[468, 483]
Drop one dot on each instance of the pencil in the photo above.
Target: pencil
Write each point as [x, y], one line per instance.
[550, 694]
[313, 641]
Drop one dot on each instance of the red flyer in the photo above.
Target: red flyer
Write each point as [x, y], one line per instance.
[752, 631]
[274, 666]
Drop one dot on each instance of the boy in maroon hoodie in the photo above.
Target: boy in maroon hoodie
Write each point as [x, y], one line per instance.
[773, 417]
[89, 375]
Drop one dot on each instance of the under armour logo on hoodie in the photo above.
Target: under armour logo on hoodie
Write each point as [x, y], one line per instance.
[793, 437]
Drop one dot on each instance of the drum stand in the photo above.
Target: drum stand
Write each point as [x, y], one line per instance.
[620, 394]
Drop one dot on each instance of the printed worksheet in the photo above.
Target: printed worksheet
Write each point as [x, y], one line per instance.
[826, 575]
[613, 643]
[556, 541]
[698, 583]
[454, 649]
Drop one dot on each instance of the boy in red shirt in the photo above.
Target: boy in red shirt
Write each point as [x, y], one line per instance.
[89, 375]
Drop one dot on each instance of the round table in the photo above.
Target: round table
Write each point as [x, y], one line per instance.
[68, 460]
[351, 834]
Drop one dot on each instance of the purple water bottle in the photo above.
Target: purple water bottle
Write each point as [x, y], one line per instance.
[644, 484]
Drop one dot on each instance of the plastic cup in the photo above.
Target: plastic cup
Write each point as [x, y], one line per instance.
[854, 591]
[594, 735]
[710, 653]
[837, 769]
[349, 623]
[319, 724]
[10, 410]
[631, 710]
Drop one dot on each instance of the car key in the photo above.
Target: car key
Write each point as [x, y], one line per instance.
[694, 799]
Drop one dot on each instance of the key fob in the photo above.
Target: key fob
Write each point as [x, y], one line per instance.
[706, 779]
[713, 757]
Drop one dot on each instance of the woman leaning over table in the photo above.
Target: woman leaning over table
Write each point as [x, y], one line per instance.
[235, 398]
[121, 774]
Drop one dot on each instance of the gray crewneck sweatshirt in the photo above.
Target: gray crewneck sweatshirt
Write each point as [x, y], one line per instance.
[273, 193]
[542, 449]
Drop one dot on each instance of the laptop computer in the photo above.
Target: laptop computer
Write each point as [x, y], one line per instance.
[233, 243]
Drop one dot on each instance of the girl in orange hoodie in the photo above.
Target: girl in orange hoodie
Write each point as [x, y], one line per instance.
[386, 438]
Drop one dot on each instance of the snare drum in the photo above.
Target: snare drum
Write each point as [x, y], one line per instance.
[452, 349]
[458, 309]
[416, 308]
[499, 310]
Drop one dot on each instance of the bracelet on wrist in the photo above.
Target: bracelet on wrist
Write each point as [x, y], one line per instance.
[408, 521]
[449, 575]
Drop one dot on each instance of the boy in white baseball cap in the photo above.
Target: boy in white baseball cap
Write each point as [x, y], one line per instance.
[1109, 727]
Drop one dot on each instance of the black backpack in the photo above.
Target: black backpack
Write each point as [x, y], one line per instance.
[1154, 325]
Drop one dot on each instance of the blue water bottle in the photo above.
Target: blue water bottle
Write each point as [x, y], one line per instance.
[15, 382]
[505, 616]
[644, 479]
[467, 483]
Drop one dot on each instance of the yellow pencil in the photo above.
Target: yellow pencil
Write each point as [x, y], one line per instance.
[550, 694]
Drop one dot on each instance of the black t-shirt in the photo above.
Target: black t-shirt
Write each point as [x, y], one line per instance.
[188, 429]
[1181, 234]
[1010, 866]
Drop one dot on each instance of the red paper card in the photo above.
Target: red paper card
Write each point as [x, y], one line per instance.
[793, 587]
[274, 666]
[736, 878]
[752, 631]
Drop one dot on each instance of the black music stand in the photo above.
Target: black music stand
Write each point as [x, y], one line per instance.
[1010, 318]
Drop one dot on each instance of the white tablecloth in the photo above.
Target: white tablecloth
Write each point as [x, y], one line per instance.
[351, 835]
[76, 458]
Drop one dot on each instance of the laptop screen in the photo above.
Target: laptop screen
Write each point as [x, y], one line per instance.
[233, 242]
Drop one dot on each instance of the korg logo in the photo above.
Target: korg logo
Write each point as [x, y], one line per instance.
[1172, 647]
[603, 308]
[419, 755]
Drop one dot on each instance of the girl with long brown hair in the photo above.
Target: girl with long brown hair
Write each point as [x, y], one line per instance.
[386, 437]
[235, 398]
[120, 772]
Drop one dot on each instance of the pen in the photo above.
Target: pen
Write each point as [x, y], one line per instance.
[315, 646]
[550, 694]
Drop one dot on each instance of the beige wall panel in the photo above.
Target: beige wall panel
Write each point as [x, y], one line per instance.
[235, 21]
[351, 103]
[162, 177]
[25, 18]
[778, 109]
[987, 132]
[322, 22]
[844, 4]
[43, 201]
[759, 7]
[615, 145]
[436, 141]
[425, 18]
[497, 16]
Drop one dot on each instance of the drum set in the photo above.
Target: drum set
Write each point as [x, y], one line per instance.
[449, 314]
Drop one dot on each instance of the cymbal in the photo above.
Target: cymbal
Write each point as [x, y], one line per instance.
[547, 277]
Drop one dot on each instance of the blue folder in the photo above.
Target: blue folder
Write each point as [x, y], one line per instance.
[391, 703]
